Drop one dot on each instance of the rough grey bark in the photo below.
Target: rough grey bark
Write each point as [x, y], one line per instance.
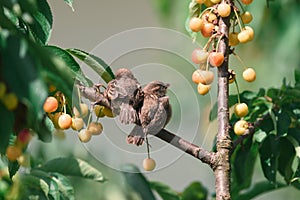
[224, 143]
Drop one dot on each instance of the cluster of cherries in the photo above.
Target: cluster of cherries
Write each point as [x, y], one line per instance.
[55, 107]
[10, 101]
[206, 22]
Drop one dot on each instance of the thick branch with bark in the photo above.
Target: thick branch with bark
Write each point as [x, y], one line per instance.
[224, 143]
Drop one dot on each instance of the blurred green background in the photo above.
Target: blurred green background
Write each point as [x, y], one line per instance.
[274, 54]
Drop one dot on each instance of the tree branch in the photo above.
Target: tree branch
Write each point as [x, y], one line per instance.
[224, 143]
[96, 97]
[190, 148]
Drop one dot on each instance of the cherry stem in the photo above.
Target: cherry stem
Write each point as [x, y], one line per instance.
[209, 42]
[147, 143]
[89, 119]
[207, 65]
[239, 59]
[238, 19]
[209, 8]
[238, 90]
[242, 7]
[64, 102]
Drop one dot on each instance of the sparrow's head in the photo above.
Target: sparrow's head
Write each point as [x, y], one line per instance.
[157, 88]
[123, 72]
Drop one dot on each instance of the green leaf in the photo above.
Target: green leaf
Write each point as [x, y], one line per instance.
[73, 167]
[258, 189]
[66, 62]
[295, 133]
[13, 167]
[137, 182]
[283, 122]
[296, 177]
[44, 129]
[243, 162]
[6, 127]
[248, 95]
[38, 19]
[195, 191]
[69, 3]
[273, 93]
[164, 191]
[66, 190]
[286, 158]
[33, 186]
[27, 84]
[96, 63]
[269, 152]
[267, 125]
[194, 9]
[59, 185]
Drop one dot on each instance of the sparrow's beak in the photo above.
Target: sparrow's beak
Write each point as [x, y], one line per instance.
[167, 85]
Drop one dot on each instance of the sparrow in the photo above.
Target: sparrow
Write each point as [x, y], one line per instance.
[154, 114]
[125, 96]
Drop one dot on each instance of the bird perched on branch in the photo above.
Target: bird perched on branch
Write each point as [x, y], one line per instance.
[154, 114]
[125, 96]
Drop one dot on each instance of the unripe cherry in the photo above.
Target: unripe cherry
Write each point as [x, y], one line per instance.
[249, 75]
[233, 39]
[149, 164]
[215, 1]
[64, 121]
[95, 128]
[250, 32]
[207, 29]
[240, 127]
[13, 153]
[246, 2]
[244, 36]
[224, 9]
[2, 89]
[196, 24]
[202, 76]
[199, 56]
[10, 101]
[77, 123]
[50, 105]
[85, 135]
[241, 109]
[246, 17]
[108, 112]
[216, 59]
[203, 89]
[98, 110]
